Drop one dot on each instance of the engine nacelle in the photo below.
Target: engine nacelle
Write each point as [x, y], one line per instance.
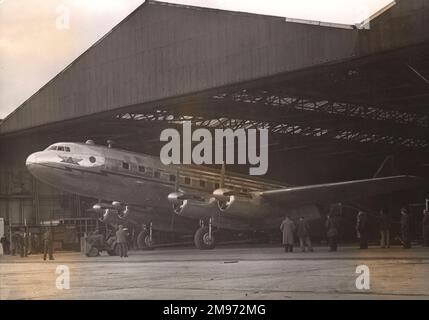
[109, 216]
[111, 212]
[125, 212]
[175, 197]
[237, 204]
[117, 205]
[223, 194]
[98, 207]
[195, 209]
[191, 206]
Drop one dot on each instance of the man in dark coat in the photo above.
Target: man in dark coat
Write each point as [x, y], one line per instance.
[384, 229]
[48, 244]
[405, 229]
[332, 226]
[25, 243]
[18, 243]
[303, 232]
[14, 243]
[121, 240]
[362, 230]
[425, 228]
[288, 228]
[5, 244]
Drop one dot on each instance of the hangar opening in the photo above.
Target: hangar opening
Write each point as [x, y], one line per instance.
[337, 102]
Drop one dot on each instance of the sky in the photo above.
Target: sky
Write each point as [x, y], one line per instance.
[39, 38]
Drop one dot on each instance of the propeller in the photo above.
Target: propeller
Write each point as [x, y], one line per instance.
[177, 183]
[176, 189]
[222, 175]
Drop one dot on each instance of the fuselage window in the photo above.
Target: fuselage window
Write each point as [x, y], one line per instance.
[202, 184]
[157, 174]
[92, 159]
[125, 165]
[67, 149]
[60, 149]
[187, 180]
[172, 178]
[149, 171]
[142, 169]
[53, 148]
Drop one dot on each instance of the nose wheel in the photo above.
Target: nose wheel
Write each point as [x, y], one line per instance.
[205, 238]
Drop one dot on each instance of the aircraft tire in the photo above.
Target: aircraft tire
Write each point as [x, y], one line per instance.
[111, 252]
[201, 239]
[143, 241]
[93, 252]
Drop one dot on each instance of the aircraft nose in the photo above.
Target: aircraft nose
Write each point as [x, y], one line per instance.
[32, 159]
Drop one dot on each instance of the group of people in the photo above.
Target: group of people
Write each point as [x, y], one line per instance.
[363, 229]
[24, 243]
[302, 230]
[20, 243]
[288, 228]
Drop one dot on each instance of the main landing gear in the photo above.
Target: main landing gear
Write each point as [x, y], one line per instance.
[145, 239]
[205, 238]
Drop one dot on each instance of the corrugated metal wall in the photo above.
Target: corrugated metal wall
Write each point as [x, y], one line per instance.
[164, 51]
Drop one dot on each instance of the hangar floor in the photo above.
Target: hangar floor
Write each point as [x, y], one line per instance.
[226, 273]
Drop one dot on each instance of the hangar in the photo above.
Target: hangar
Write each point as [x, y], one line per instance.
[336, 101]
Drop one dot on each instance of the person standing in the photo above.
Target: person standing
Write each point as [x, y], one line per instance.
[121, 240]
[362, 230]
[425, 230]
[13, 244]
[384, 229]
[332, 226]
[303, 232]
[48, 241]
[25, 243]
[5, 243]
[288, 228]
[405, 228]
[19, 240]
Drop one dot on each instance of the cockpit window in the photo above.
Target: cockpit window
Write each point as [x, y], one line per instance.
[59, 148]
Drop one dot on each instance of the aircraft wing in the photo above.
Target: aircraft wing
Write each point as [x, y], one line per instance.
[340, 192]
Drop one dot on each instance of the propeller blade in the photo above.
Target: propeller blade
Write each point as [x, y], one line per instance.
[176, 189]
[222, 176]
[177, 184]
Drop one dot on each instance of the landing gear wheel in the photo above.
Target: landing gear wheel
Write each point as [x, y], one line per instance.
[117, 250]
[202, 239]
[144, 241]
[93, 252]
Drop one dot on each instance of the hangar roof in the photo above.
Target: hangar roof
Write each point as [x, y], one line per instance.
[163, 51]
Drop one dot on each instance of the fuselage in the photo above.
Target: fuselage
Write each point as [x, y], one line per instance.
[136, 179]
[151, 188]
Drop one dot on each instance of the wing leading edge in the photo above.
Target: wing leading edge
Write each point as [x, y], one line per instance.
[341, 191]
